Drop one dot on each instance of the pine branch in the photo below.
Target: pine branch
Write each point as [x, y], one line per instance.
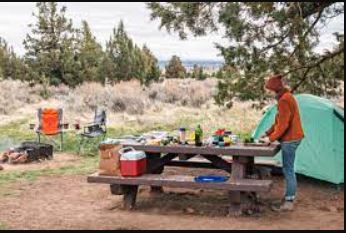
[313, 65]
[308, 32]
[307, 11]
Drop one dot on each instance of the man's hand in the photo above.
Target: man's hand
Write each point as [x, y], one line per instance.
[265, 140]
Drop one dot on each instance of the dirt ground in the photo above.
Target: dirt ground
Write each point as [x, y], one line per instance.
[69, 202]
[62, 160]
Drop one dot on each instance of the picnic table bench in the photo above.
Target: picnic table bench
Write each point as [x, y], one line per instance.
[239, 168]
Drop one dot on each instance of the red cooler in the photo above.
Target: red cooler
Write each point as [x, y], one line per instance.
[132, 163]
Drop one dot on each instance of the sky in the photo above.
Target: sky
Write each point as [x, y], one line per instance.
[103, 16]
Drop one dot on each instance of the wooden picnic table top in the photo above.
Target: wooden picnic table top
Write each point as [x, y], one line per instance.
[233, 150]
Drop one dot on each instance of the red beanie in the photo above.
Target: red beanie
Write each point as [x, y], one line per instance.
[275, 83]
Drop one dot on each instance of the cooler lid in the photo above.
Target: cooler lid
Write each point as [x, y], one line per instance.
[133, 155]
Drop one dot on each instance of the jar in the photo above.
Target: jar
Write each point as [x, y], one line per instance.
[182, 135]
[234, 138]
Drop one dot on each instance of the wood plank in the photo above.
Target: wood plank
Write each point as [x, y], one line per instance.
[184, 157]
[219, 162]
[235, 150]
[191, 164]
[158, 164]
[202, 163]
[183, 181]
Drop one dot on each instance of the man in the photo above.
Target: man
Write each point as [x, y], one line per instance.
[288, 130]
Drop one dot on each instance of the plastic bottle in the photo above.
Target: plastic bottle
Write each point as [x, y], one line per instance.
[198, 136]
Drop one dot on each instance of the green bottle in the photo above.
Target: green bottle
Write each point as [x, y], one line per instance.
[198, 136]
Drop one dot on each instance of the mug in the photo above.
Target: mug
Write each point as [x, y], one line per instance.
[32, 126]
[77, 126]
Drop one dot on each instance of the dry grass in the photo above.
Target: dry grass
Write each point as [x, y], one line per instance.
[132, 98]
[13, 94]
[168, 104]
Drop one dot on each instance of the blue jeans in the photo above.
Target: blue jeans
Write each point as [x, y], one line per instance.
[288, 156]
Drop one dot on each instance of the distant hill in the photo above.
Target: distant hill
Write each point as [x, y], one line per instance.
[212, 64]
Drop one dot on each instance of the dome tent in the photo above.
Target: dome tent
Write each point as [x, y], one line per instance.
[321, 154]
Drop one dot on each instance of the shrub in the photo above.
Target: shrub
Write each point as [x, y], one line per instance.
[123, 97]
[187, 92]
[15, 93]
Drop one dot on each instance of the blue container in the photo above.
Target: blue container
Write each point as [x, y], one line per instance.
[210, 178]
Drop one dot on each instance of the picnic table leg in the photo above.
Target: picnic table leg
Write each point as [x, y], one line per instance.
[130, 195]
[235, 203]
[151, 159]
[250, 172]
[117, 189]
[238, 172]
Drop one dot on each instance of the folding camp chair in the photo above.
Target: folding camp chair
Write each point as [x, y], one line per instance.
[95, 129]
[50, 124]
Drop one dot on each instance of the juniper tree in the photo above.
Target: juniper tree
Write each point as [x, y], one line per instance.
[51, 45]
[119, 49]
[197, 73]
[90, 54]
[125, 60]
[12, 66]
[175, 68]
[264, 38]
[151, 67]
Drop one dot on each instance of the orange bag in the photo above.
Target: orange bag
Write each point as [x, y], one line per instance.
[109, 164]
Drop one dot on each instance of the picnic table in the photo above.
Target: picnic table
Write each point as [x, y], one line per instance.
[237, 160]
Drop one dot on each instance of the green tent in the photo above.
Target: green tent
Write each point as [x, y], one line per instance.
[321, 154]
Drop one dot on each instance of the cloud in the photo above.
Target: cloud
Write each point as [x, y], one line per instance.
[103, 17]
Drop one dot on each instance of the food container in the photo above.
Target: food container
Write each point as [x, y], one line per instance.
[228, 133]
[220, 132]
[227, 140]
[221, 144]
[191, 136]
[182, 135]
[215, 139]
[234, 138]
[132, 163]
[153, 142]
[210, 178]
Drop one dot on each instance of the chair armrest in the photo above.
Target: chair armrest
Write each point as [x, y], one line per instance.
[90, 124]
[89, 127]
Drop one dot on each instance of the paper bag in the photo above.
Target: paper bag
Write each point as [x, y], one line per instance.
[109, 164]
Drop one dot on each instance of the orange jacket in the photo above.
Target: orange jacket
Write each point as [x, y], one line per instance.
[287, 126]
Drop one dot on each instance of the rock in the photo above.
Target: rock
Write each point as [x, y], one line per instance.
[190, 210]
[249, 212]
[333, 209]
[323, 208]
